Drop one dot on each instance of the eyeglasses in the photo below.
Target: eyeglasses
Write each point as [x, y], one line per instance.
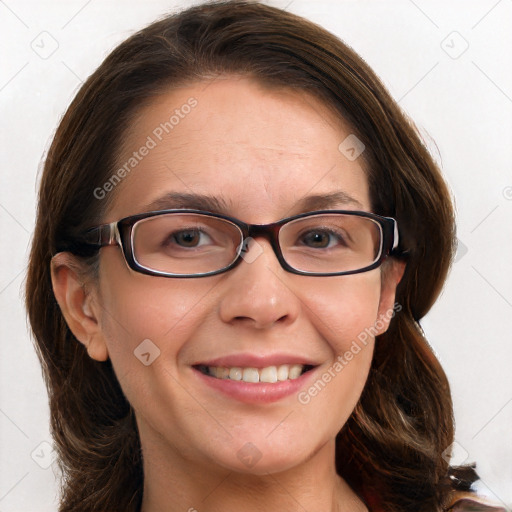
[195, 243]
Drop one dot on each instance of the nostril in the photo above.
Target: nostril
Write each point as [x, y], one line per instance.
[259, 320]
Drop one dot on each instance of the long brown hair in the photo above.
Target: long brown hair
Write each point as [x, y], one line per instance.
[391, 448]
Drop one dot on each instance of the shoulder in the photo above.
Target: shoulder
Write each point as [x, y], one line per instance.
[470, 502]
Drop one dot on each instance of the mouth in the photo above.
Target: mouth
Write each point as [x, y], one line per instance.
[268, 374]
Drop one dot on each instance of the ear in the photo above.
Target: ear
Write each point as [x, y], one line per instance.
[391, 275]
[78, 305]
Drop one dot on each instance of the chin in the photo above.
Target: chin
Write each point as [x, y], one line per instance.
[265, 465]
[261, 458]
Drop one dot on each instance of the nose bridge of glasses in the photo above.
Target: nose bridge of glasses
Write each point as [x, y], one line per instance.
[269, 232]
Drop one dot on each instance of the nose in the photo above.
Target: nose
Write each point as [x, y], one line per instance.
[258, 292]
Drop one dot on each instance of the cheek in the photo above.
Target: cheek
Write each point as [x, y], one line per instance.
[344, 311]
[344, 308]
[138, 308]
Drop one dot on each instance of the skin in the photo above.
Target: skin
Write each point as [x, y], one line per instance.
[261, 151]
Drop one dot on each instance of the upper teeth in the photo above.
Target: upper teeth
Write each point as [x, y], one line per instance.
[268, 374]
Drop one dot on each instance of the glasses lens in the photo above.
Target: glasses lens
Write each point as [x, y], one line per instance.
[185, 244]
[331, 243]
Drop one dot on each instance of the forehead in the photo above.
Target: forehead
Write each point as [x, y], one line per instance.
[260, 151]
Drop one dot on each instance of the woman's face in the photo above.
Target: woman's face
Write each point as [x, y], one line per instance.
[262, 153]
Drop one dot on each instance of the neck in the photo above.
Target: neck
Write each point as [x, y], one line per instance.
[172, 484]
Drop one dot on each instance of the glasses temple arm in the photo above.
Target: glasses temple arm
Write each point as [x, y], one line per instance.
[100, 236]
[395, 235]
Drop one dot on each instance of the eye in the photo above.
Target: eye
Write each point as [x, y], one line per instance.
[188, 238]
[322, 238]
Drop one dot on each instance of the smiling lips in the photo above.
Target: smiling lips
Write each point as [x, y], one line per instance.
[255, 378]
[268, 374]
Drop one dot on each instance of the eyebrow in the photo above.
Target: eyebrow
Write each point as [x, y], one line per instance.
[327, 201]
[178, 200]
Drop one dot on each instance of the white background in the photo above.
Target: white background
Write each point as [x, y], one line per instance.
[460, 98]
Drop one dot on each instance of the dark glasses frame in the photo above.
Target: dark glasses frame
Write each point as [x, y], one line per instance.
[121, 233]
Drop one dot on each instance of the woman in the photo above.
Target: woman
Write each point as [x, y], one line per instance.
[238, 231]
